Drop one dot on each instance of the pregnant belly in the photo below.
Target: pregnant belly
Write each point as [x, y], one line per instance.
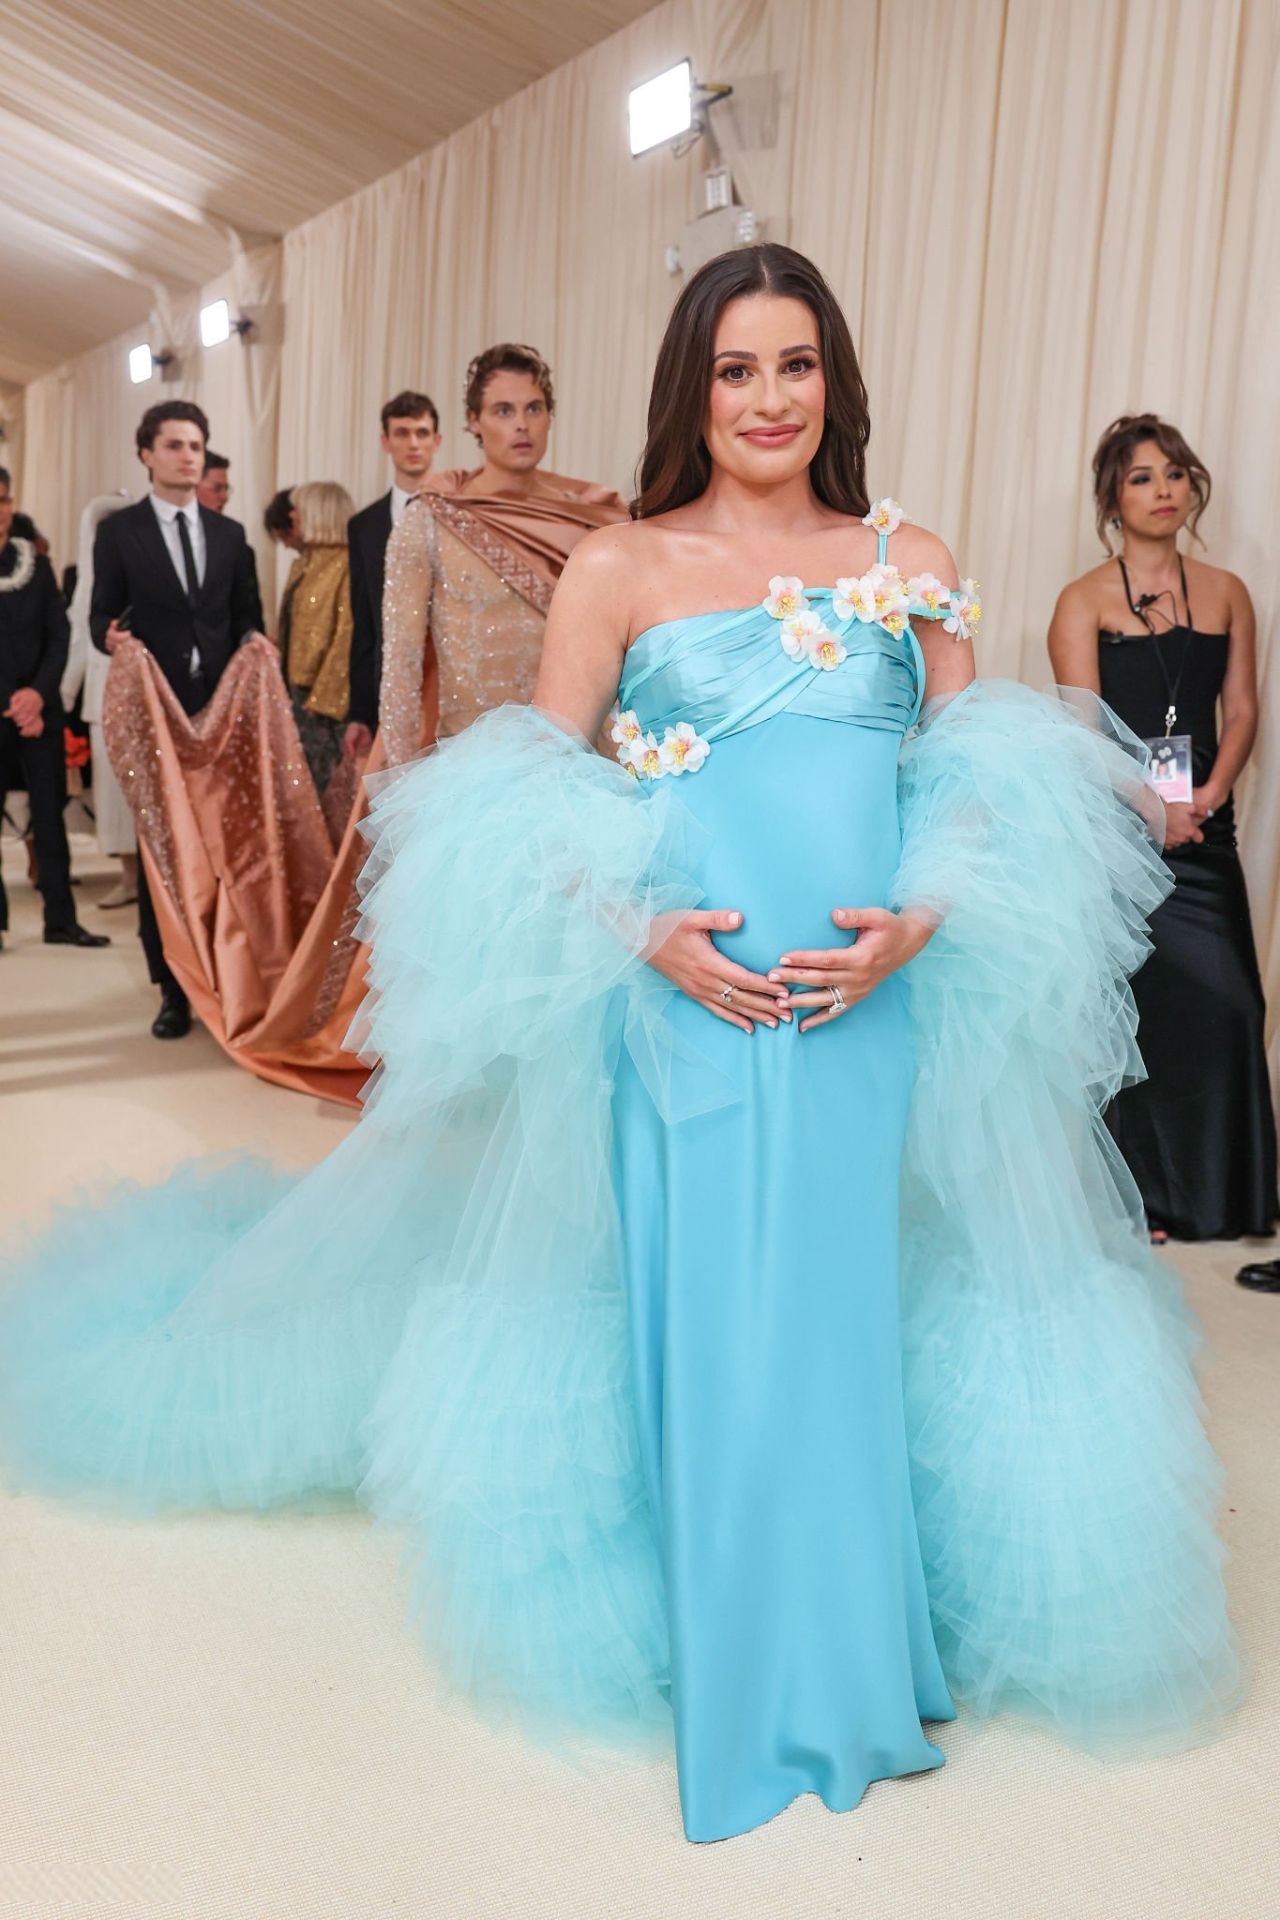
[799, 816]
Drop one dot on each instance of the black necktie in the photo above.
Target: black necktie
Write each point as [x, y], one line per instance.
[188, 560]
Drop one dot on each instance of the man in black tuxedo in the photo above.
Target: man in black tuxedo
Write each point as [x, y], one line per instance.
[33, 654]
[181, 580]
[411, 435]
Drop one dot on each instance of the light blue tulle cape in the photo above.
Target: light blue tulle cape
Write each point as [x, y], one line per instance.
[431, 1321]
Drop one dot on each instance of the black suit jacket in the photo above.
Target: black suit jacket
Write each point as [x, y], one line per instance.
[367, 535]
[33, 635]
[132, 568]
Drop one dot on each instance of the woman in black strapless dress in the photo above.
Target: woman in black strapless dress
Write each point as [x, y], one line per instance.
[1168, 642]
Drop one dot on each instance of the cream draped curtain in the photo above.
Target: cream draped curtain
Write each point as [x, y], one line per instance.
[1038, 213]
[79, 422]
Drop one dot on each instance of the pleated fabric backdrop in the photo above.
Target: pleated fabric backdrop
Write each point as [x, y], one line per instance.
[1038, 216]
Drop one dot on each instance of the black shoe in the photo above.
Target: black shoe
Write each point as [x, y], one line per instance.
[1260, 1276]
[74, 936]
[174, 1017]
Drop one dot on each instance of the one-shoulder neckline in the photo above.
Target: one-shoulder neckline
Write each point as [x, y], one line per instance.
[709, 613]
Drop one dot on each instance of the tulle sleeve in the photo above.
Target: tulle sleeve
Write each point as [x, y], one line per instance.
[1065, 1489]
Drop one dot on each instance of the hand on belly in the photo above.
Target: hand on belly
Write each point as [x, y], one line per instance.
[833, 979]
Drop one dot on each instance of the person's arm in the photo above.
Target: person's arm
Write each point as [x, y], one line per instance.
[246, 606]
[582, 654]
[28, 704]
[1073, 639]
[110, 588]
[55, 636]
[362, 715]
[1239, 704]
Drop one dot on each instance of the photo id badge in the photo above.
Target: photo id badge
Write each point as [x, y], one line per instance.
[1171, 768]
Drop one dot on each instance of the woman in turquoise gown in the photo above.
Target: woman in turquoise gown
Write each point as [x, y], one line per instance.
[730, 1286]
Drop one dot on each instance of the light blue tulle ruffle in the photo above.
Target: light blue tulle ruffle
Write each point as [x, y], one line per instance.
[432, 1319]
[1065, 1491]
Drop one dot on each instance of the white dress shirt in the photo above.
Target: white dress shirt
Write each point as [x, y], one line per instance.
[167, 514]
[399, 504]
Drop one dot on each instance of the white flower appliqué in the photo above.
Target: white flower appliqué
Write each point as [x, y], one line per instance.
[965, 611]
[885, 516]
[878, 598]
[625, 731]
[827, 650]
[644, 757]
[785, 598]
[930, 592]
[798, 634]
[684, 750]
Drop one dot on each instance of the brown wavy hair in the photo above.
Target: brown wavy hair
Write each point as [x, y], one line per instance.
[676, 466]
[507, 357]
[1113, 458]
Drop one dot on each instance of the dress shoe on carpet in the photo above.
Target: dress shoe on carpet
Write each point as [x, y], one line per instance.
[174, 1017]
[1260, 1276]
[76, 936]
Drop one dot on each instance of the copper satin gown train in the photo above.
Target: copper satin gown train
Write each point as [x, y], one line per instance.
[255, 903]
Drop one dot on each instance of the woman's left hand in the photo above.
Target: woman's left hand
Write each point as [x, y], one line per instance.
[885, 941]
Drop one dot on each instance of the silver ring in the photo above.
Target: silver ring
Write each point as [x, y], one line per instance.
[726, 994]
[838, 1001]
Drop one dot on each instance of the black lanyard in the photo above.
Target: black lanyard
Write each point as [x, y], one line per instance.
[1138, 608]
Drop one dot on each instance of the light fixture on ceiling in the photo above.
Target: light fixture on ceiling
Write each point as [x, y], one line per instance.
[216, 324]
[141, 365]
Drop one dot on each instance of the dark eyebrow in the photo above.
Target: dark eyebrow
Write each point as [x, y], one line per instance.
[739, 353]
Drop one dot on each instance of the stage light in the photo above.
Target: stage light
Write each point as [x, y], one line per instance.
[215, 324]
[661, 109]
[140, 366]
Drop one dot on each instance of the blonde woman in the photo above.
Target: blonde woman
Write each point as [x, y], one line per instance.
[315, 624]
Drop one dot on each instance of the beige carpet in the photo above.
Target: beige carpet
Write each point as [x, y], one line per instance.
[228, 1717]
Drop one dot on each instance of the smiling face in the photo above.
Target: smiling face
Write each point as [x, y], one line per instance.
[1155, 495]
[767, 406]
[513, 422]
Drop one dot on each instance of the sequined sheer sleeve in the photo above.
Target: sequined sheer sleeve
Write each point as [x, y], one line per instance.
[406, 619]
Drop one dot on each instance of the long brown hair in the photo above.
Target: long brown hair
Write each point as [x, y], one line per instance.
[1113, 458]
[676, 466]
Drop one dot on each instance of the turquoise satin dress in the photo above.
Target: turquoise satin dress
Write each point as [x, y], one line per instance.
[761, 1249]
[776, 1390]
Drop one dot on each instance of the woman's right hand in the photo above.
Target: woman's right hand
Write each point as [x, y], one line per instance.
[1181, 827]
[682, 950]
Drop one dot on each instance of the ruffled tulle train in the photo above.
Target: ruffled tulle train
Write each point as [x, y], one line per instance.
[432, 1320]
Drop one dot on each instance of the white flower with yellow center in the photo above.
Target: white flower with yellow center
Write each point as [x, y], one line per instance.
[625, 731]
[854, 599]
[973, 594]
[785, 598]
[929, 590]
[798, 634]
[885, 516]
[645, 755]
[961, 620]
[684, 750]
[891, 597]
[827, 651]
